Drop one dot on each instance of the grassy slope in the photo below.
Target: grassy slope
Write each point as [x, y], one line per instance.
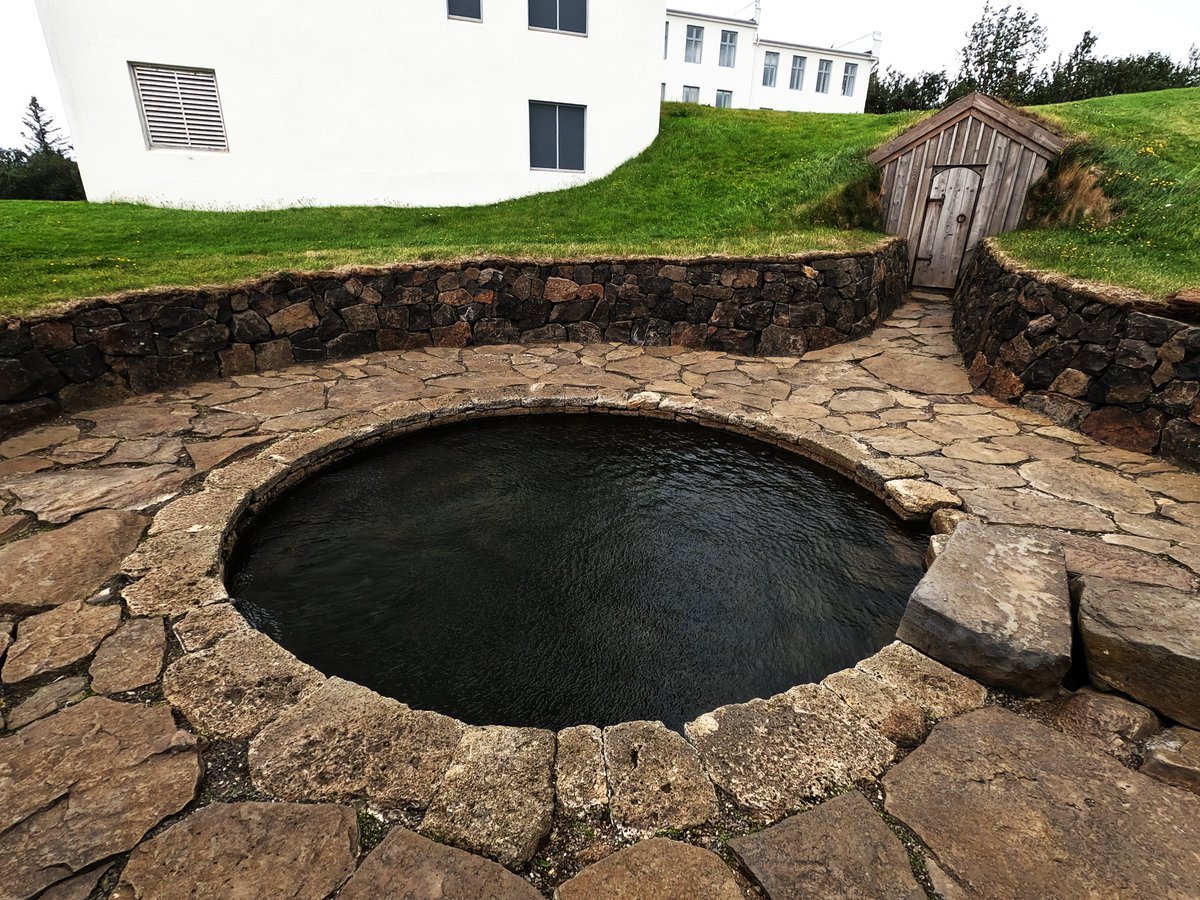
[1148, 145]
[727, 181]
[714, 182]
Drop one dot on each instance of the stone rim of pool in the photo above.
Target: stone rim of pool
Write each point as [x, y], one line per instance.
[756, 635]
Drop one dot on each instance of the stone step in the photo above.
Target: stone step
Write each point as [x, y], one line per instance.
[655, 779]
[580, 784]
[995, 605]
[345, 742]
[497, 797]
[1145, 642]
[774, 756]
[938, 691]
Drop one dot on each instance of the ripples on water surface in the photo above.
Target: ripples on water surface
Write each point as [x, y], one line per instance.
[556, 570]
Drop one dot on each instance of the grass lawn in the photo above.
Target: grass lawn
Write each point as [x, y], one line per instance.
[715, 181]
[1148, 146]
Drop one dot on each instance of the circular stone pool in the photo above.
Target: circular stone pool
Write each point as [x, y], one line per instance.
[558, 570]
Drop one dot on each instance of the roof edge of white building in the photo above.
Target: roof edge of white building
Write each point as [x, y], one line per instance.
[730, 20]
[810, 48]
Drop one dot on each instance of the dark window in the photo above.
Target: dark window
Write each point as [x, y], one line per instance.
[824, 73]
[556, 136]
[559, 15]
[770, 69]
[728, 49]
[570, 137]
[693, 49]
[466, 9]
[572, 16]
[798, 65]
[849, 79]
[543, 14]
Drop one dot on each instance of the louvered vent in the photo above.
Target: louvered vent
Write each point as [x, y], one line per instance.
[180, 107]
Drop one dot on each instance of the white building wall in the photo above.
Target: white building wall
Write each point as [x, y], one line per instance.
[808, 99]
[746, 78]
[708, 74]
[353, 102]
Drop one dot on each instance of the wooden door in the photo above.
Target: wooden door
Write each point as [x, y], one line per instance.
[949, 214]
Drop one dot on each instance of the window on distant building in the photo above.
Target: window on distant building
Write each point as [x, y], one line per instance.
[824, 73]
[695, 44]
[556, 136]
[666, 39]
[180, 107]
[691, 94]
[849, 77]
[559, 15]
[663, 95]
[728, 49]
[770, 69]
[466, 9]
[724, 99]
[798, 65]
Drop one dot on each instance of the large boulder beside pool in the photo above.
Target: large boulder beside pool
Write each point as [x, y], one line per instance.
[995, 604]
[1145, 642]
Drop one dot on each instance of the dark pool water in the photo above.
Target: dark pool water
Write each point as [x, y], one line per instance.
[556, 570]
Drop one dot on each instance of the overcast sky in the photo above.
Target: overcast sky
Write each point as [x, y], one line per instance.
[925, 35]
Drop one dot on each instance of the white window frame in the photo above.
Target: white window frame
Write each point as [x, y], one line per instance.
[728, 95]
[667, 41]
[694, 45]
[587, 22]
[824, 75]
[849, 79]
[695, 89]
[729, 42]
[558, 135]
[141, 100]
[799, 70]
[458, 18]
[770, 68]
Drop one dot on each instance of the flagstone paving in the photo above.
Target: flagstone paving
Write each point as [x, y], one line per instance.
[114, 524]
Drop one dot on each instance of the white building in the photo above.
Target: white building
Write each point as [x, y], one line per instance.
[720, 61]
[273, 103]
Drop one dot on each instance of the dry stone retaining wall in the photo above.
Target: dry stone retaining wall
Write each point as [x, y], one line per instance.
[104, 348]
[1095, 363]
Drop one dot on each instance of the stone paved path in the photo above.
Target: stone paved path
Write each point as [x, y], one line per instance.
[145, 724]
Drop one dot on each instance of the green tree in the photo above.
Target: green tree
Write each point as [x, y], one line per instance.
[1001, 54]
[895, 92]
[41, 171]
[1082, 74]
[41, 134]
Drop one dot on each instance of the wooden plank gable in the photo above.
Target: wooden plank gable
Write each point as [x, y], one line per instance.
[985, 109]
